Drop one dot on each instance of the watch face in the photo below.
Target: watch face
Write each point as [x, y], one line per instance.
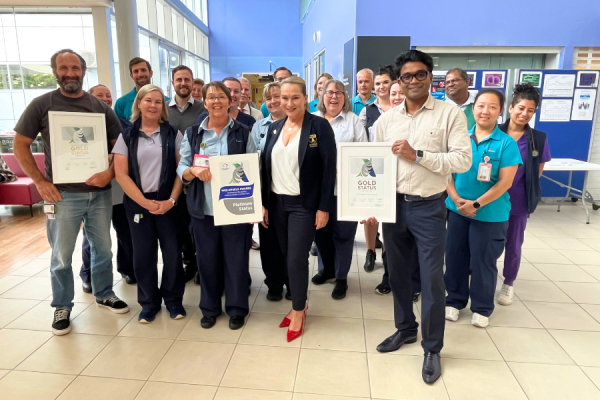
[419, 153]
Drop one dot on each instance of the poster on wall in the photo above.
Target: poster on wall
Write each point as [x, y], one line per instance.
[493, 79]
[235, 188]
[583, 105]
[438, 86]
[559, 85]
[555, 110]
[535, 78]
[472, 79]
[348, 71]
[587, 78]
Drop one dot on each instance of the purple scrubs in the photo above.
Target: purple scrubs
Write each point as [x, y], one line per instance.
[518, 215]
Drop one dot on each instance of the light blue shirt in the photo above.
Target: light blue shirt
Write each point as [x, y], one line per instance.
[259, 132]
[358, 105]
[216, 145]
[503, 151]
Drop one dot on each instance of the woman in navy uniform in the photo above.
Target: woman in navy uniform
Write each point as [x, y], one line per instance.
[146, 158]
[298, 180]
[222, 251]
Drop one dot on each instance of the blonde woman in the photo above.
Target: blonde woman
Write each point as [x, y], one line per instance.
[298, 179]
[146, 158]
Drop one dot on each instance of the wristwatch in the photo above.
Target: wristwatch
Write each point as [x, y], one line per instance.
[173, 201]
[419, 156]
[476, 205]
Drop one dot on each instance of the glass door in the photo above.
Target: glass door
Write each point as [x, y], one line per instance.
[169, 58]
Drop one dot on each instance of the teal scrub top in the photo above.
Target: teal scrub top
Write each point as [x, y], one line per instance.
[503, 151]
[358, 105]
[264, 110]
[313, 105]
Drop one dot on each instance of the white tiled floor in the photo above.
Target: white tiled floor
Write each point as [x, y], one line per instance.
[545, 346]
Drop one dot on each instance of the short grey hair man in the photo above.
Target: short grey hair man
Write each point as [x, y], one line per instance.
[246, 105]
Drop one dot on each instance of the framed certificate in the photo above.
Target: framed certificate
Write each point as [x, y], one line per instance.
[235, 188]
[366, 181]
[78, 146]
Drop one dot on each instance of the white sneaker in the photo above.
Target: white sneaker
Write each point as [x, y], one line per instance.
[452, 314]
[479, 320]
[506, 295]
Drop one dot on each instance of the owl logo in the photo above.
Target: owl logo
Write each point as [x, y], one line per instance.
[239, 175]
[78, 137]
[367, 169]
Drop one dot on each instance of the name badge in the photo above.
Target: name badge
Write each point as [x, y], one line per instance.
[485, 170]
[201, 161]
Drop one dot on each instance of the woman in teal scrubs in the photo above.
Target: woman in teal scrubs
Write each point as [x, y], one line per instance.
[479, 208]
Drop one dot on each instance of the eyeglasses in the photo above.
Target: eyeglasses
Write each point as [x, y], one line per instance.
[454, 81]
[331, 93]
[421, 76]
[213, 99]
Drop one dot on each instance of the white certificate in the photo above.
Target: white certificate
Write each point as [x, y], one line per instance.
[559, 85]
[78, 146]
[366, 182]
[235, 188]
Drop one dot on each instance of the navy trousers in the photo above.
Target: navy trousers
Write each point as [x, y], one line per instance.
[146, 234]
[188, 250]
[272, 260]
[295, 227]
[223, 258]
[336, 246]
[419, 225]
[416, 274]
[479, 244]
[124, 246]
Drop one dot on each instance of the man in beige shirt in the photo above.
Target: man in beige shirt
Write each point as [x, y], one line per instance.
[431, 141]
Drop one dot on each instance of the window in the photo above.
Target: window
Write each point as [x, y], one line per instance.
[307, 79]
[320, 63]
[586, 58]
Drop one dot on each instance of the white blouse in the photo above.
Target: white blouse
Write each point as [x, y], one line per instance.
[284, 166]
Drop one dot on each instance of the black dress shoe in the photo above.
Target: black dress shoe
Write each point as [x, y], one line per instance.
[378, 242]
[208, 322]
[274, 295]
[320, 279]
[236, 323]
[416, 297]
[432, 367]
[370, 261]
[190, 272]
[395, 341]
[130, 280]
[197, 278]
[339, 291]
[383, 289]
[87, 287]
[288, 295]
[313, 250]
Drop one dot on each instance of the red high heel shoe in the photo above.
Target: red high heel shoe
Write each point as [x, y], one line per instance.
[286, 321]
[291, 335]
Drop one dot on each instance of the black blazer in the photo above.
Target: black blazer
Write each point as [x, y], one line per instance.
[317, 160]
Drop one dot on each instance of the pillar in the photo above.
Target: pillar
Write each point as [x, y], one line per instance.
[104, 49]
[127, 39]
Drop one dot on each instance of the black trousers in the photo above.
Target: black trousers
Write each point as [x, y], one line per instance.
[150, 231]
[295, 227]
[416, 274]
[188, 249]
[420, 225]
[272, 260]
[124, 246]
[478, 244]
[223, 259]
[336, 246]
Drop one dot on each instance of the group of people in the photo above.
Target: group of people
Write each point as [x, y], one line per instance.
[465, 188]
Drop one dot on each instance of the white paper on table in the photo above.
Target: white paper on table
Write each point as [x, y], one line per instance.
[555, 110]
[559, 85]
[583, 105]
[235, 189]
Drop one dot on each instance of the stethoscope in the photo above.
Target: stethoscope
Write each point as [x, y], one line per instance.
[534, 151]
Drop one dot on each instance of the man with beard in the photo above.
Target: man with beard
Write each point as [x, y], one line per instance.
[183, 111]
[457, 93]
[68, 205]
[141, 73]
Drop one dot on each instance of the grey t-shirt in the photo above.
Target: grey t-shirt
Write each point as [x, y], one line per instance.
[35, 120]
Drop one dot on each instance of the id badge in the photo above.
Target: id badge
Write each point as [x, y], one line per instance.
[484, 173]
[201, 161]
